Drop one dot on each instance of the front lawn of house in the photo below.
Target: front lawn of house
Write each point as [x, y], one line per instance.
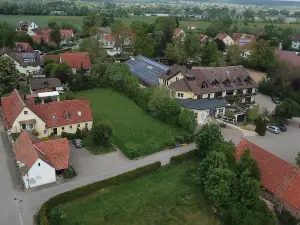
[133, 127]
[96, 149]
[167, 196]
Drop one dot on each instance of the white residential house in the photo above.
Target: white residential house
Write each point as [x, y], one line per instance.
[38, 161]
[26, 26]
[225, 38]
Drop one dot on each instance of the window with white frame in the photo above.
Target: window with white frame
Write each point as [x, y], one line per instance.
[23, 126]
[25, 112]
[221, 110]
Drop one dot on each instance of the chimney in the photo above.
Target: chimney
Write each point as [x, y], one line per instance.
[189, 65]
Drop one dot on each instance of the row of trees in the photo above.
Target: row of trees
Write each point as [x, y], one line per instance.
[154, 100]
[232, 187]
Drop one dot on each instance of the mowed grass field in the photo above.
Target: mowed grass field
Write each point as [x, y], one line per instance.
[77, 21]
[130, 123]
[167, 196]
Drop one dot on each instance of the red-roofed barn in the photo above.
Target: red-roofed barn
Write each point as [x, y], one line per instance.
[278, 176]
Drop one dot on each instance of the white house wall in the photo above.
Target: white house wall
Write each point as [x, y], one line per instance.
[39, 174]
[27, 69]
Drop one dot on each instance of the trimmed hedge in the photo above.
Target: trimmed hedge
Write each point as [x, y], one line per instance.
[69, 136]
[88, 189]
[182, 157]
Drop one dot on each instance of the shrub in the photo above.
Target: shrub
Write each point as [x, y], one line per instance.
[179, 139]
[182, 157]
[69, 173]
[132, 149]
[78, 133]
[69, 136]
[170, 142]
[35, 133]
[102, 134]
[187, 120]
[88, 189]
[260, 126]
[188, 138]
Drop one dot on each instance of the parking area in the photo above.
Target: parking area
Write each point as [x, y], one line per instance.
[284, 145]
[87, 164]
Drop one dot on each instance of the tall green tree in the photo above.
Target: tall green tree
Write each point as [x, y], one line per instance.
[55, 35]
[143, 44]
[8, 75]
[7, 34]
[208, 138]
[102, 134]
[263, 55]
[286, 43]
[210, 55]
[94, 48]
[192, 46]
[287, 109]
[62, 72]
[187, 120]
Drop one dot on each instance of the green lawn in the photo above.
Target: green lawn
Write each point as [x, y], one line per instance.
[77, 21]
[167, 196]
[42, 21]
[131, 125]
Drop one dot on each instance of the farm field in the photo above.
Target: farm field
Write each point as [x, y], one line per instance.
[77, 21]
[132, 126]
[167, 196]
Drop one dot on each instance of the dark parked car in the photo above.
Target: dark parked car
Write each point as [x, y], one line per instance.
[77, 143]
[276, 100]
[281, 127]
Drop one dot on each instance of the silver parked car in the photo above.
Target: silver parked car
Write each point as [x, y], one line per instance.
[273, 129]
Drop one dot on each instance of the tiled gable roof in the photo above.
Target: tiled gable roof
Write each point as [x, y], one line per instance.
[215, 79]
[277, 175]
[28, 149]
[76, 60]
[289, 57]
[203, 37]
[177, 32]
[221, 36]
[295, 37]
[54, 113]
[66, 34]
[25, 151]
[12, 106]
[38, 38]
[23, 45]
[57, 152]
[41, 83]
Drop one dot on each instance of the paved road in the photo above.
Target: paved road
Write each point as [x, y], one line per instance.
[21, 210]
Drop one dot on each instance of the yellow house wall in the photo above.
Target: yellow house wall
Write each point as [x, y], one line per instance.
[67, 128]
[185, 94]
[39, 125]
[179, 76]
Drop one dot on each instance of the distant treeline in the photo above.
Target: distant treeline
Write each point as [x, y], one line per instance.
[267, 2]
[43, 8]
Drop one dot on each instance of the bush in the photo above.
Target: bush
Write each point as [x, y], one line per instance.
[170, 142]
[102, 134]
[132, 149]
[187, 120]
[69, 173]
[260, 126]
[69, 136]
[35, 133]
[78, 133]
[182, 157]
[188, 138]
[88, 189]
[179, 140]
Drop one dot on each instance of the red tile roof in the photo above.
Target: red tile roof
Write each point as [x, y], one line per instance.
[66, 34]
[289, 57]
[24, 46]
[12, 106]
[25, 151]
[222, 36]
[177, 32]
[45, 31]
[57, 152]
[54, 113]
[203, 37]
[38, 38]
[77, 60]
[277, 175]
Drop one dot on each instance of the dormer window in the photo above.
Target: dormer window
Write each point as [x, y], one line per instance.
[215, 83]
[248, 80]
[203, 85]
[226, 82]
[238, 81]
[79, 113]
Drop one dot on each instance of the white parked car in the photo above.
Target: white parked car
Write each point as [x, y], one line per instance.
[273, 129]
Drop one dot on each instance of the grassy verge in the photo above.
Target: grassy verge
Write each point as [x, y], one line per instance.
[96, 149]
[133, 128]
[166, 196]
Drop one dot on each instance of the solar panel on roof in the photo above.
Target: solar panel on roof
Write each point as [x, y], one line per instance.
[153, 63]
